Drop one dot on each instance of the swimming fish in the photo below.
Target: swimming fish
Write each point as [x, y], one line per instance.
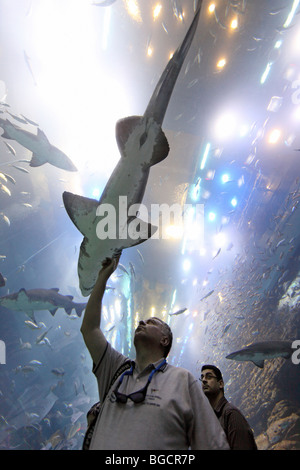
[43, 152]
[258, 352]
[41, 299]
[178, 311]
[207, 295]
[142, 144]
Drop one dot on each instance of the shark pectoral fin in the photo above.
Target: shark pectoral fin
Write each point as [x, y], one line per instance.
[124, 128]
[81, 210]
[53, 311]
[36, 161]
[259, 363]
[6, 135]
[30, 314]
[160, 150]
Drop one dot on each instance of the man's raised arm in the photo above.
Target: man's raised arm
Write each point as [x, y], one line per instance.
[93, 337]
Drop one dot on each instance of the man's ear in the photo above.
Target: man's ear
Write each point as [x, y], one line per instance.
[164, 341]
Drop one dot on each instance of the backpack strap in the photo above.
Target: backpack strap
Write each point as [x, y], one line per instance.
[94, 411]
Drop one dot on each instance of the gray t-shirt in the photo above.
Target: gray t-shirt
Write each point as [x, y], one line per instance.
[175, 415]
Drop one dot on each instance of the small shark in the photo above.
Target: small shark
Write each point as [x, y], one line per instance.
[258, 352]
[43, 152]
[142, 144]
[40, 299]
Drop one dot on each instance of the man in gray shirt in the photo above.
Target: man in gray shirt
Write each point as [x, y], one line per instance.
[151, 405]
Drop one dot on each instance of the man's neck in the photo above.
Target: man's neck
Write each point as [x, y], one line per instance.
[214, 400]
[144, 358]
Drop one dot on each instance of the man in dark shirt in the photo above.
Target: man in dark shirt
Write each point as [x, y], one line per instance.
[238, 432]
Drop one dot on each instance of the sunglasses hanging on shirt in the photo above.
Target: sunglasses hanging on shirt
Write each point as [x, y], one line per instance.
[136, 397]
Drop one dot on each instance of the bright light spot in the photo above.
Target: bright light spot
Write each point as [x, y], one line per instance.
[234, 23]
[221, 63]
[171, 55]
[205, 155]
[210, 175]
[291, 14]
[96, 193]
[233, 202]
[152, 311]
[225, 220]
[225, 178]
[278, 44]
[195, 192]
[225, 126]
[274, 136]
[266, 73]
[149, 51]
[205, 282]
[195, 282]
[156, 11]
[275, 104]
[211, 216]
[211, 8]
[174, 231]
[133, 10]
[186, 265]
[202, 252]
[244, 129]
[220, 240]
[72, 85]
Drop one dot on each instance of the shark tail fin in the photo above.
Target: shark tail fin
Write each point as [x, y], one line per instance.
[81, 210]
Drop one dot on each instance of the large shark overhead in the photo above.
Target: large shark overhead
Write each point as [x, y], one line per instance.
[142, 144]
[42, 151]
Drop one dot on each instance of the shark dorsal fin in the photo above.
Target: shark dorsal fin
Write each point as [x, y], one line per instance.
[41, 135]
[56, 289]
[22, 292]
